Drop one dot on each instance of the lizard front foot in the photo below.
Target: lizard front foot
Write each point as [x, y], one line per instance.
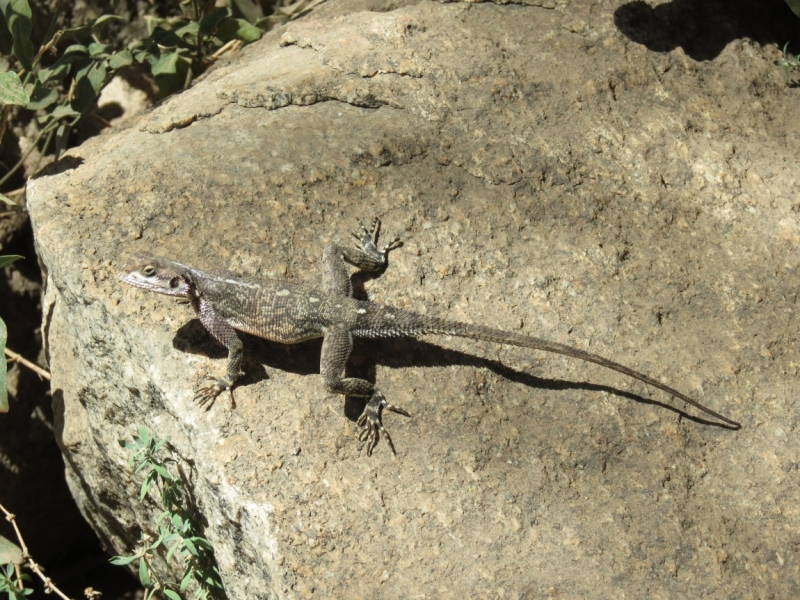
[368, 241]
[370, 421]
[207, 393]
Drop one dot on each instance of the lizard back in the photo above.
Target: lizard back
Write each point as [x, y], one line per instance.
[274, 310]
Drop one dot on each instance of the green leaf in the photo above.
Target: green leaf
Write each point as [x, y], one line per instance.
[208, 24]
[11, 90]
[101, 22]
[62, 136]
[145, 487]
[186, 579]
[55, 73]
[89, 81]
[7, 260]
[96, 49]
[188, 33]
[795, 6]
[42, 97]
[123, 58]
[3, 368]
[190, 546]
[9, 551]
[238, 29]
[59, 112]
[202, 542]
[122, 560]
[61, 67]
[171, 595]
[162, 471]
[17, 14]
[187, 8]
[7, 200]
[144, 573]
[250, 10]
[170, 72]
[166, 37]
[172, 551]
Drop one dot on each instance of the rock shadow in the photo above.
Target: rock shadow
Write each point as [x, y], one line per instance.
[703, 28]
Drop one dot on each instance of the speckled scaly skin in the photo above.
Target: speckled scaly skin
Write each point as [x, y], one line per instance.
[287, 313]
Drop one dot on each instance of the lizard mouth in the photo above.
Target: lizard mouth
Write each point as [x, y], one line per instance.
[137, 279]
[168, 287]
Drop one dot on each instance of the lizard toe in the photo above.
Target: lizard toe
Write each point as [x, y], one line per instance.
[206, 394]
[371, 423]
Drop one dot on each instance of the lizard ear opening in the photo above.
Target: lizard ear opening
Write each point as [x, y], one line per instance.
[174, 282]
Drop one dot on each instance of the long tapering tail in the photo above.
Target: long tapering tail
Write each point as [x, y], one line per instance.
[388, 322]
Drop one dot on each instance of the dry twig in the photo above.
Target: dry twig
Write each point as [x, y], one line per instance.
[40, 371]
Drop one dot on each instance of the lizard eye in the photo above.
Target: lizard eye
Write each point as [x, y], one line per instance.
[174, 282]
[149, 271]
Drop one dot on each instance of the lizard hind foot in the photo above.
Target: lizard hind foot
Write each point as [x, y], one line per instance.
[367, 241]
[206, 394]
[371, 423]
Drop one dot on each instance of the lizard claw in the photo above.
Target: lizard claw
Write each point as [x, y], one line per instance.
[207, 394]
[370, 422]
[395, 243]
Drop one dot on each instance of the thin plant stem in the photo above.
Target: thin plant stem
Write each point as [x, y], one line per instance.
[18, 358]
[14, 169]
[50, 127]
[50, 31]
[49, 586]
[44, 150]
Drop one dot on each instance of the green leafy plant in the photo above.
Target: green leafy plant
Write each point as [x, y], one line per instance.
[179, 535]
[179, 49]
[13, 583]
[788, 62]
[4, 261]
[35, 88]
[64, 91]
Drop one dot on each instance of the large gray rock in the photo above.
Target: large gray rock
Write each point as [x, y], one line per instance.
[548, 176]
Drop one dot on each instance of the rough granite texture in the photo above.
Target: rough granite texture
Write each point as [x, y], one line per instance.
[552, 170]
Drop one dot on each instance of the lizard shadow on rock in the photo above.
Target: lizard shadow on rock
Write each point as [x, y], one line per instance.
[301, 359]
[704, 27]
[409, 352]
[397, 353]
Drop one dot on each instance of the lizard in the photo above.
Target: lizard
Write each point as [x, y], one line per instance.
[289, 313]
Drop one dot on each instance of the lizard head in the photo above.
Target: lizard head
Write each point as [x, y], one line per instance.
[156, 274]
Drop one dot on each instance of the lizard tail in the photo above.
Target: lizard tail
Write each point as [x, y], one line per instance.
[409, 324]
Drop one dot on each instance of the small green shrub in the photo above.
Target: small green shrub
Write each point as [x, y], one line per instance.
[55, 95]
[179, 535]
